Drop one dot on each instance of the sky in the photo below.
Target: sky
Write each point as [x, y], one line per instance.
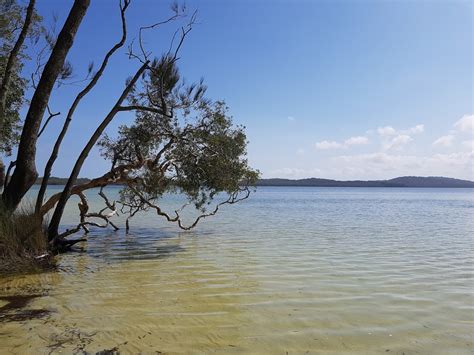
[336, 89]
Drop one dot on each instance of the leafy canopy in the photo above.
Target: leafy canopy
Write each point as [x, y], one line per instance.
[11, 22]
[181, 142]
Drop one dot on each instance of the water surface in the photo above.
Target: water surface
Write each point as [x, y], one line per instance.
[290, 270]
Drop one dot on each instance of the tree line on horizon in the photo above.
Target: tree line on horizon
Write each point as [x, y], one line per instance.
[403, 181]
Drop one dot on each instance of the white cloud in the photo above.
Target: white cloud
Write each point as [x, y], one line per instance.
[444, 141]
[359, 140]
[286, 172]
[390, 161]
[415, 130]
[291, 118]
[465, 124]
[469, 145]
[385, 165]
[453, 160]
[386, 131]
[389, 131]
[293, 173]
[391, 138]
[324, 145]
[397, 142]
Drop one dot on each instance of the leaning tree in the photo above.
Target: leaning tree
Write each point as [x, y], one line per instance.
[179, 141]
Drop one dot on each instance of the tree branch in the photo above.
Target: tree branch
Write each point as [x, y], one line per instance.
[233, 198]
[51, 115]
[58, 212]
[84, 92]
[143, 108]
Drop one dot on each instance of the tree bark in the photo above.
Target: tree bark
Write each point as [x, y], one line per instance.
[25, 173]
[2, 172]
[116, 176]
[59, 210]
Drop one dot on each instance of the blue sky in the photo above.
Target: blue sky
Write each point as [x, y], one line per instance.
[336, 89]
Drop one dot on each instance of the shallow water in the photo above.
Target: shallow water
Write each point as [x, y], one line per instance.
[291, 270]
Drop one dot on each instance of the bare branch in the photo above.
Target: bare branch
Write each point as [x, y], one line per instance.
[110, 206]
[85, 214]
[233, 198]
[51, 115]
[142, 108]
[84, 92]
[150, 27]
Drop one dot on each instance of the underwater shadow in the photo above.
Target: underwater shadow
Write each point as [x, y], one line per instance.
[141, 244]
[14, 310]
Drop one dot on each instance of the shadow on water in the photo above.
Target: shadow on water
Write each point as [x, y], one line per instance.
[142, 244]
[14, 310]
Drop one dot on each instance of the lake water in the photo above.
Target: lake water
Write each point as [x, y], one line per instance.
[288, 271]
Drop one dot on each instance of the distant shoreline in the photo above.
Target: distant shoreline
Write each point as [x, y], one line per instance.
[404, 181]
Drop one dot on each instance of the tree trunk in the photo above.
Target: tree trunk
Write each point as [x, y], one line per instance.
[25, 173]
[2, 173]
[72, 109]
[59, 210]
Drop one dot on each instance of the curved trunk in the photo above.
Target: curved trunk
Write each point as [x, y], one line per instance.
[59, 210]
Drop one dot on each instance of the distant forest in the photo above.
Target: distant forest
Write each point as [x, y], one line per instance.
[404, 181]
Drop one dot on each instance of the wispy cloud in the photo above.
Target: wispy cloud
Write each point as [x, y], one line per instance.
[383, 164]
[389, 151]
[465, 124]
[469, 145]
[325, 145]
[294, 173]
[389, 131]
[358, 140]
[397, 142]
[291, 118]
[386, 131]
[419, 128]
[397, 138]
[444, 141]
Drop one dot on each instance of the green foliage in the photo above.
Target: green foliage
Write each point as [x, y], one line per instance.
[190, 145]
[11, 21]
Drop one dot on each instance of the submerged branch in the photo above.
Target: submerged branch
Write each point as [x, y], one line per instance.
[233, 198]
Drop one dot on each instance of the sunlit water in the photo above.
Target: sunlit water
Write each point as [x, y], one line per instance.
[290, 270]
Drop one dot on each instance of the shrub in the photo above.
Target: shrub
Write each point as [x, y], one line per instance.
[23, 241]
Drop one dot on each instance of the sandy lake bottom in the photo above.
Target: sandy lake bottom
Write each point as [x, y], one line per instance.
[291, 270]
